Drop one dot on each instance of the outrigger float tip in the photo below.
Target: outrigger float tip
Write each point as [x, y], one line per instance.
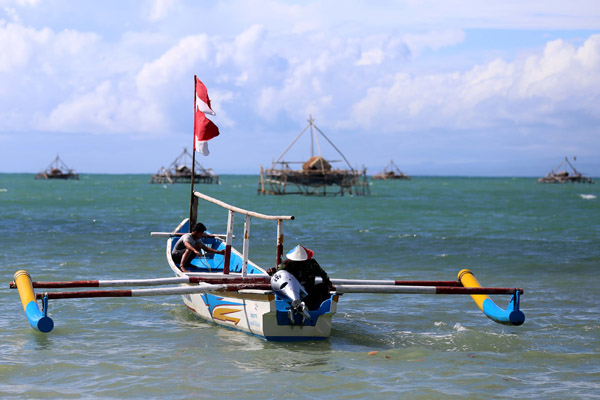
[38, 319]
[511, 316]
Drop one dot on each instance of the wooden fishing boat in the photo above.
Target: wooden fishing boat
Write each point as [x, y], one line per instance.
[249, 304]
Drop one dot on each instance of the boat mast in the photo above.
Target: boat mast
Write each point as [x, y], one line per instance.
[193, 199]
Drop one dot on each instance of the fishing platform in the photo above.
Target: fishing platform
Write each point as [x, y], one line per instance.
[565, 176]
[316, 177]
[180, 171]
[392, 172]
[57, 170]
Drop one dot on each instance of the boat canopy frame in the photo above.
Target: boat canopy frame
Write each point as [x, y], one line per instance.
[232, 210]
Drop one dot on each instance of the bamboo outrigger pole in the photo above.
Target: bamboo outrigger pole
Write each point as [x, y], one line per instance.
[211, 278]
[466, 284]
[209, 287]
[259, 279]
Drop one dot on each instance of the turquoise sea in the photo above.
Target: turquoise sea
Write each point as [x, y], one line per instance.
[511, 232]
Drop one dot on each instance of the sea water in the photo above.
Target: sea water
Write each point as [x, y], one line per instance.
[510, 232]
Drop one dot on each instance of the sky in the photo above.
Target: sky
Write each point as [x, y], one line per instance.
[445, 87]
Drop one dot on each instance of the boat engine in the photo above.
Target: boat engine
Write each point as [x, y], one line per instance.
[286, 286]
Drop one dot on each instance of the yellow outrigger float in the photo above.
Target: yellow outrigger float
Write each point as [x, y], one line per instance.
[512, 315]
[37, 318]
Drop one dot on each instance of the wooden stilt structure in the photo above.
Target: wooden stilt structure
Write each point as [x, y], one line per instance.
[57, 170]
[180, 171]
[391, 171]
[317, 176]
[565, 176]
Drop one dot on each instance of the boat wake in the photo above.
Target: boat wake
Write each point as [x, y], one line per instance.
[588, 196]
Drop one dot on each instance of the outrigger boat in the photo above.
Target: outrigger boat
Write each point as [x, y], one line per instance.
[232, 291]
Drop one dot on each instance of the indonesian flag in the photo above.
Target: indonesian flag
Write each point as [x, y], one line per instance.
[204, 128]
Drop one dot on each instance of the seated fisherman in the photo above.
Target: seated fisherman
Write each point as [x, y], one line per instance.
[189, 245]
[300, 263]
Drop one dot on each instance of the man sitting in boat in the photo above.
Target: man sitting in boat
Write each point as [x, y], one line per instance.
[189, 246]
[300, 263]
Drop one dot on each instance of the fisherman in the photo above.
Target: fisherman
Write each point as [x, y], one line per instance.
[189, 245]
[300, 263]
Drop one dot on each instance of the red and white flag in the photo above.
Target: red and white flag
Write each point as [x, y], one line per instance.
[204, 128]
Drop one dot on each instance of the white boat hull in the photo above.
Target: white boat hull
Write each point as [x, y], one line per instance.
[255, 312]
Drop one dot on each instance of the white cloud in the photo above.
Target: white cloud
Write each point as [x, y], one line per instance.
[159, 9]
[105, 110]
[364, 81]
[19, 44]
[435, 39]
[179, 59]
[527, 90]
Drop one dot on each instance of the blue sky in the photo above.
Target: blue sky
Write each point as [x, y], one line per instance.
[457, 87]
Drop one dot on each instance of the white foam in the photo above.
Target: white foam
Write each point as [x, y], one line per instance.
[459, 328]
[588, 196]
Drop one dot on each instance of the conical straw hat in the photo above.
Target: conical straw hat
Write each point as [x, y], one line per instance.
[299, 253]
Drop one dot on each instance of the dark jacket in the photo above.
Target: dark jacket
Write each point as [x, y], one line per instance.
[305, 272]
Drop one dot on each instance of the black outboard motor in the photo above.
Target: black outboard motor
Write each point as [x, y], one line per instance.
[288, 288]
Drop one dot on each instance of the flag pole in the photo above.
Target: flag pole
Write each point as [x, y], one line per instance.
[192, 219]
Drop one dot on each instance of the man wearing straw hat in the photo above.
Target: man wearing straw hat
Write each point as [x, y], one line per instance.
[300, 263]
[189, 246]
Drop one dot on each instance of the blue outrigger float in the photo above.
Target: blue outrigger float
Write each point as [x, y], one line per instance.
[232, 291]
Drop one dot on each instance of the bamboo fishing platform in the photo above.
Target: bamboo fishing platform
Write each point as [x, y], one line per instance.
[57, 170]
[180, 171]
[316, 177]
[565, 176]
[391, 171]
